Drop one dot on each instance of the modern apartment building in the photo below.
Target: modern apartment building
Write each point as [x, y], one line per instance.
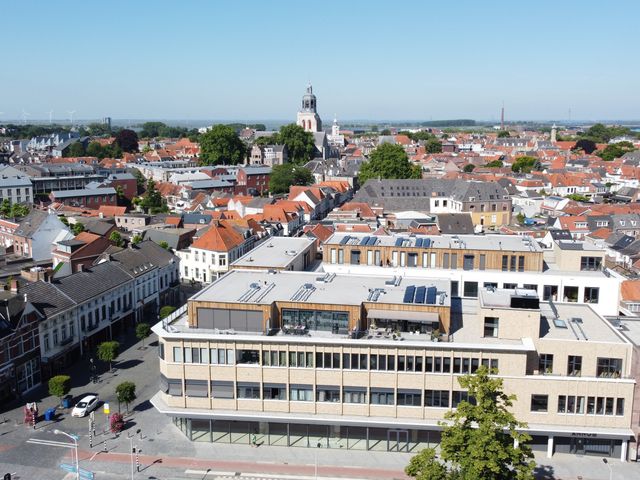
[371, 362]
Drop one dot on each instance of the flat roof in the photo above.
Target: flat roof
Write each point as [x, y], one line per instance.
[276, 252]
[509, 243]
[262, 287]
[576, 322]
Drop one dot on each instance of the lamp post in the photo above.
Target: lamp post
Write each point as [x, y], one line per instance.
[75, 443]
[606, 462]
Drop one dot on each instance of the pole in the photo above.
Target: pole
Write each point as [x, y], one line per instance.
[90, 433]
[75, 441]
[137, 459]
[131, 454]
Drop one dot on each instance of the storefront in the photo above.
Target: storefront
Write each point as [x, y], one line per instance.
[608, 445]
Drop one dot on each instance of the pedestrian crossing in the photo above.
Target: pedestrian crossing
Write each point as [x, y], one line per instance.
[212, 475]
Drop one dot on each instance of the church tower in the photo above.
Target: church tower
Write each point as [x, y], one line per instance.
[308, 117]
[554, 133]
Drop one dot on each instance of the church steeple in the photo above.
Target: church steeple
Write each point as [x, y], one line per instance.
[308, 117]
[309, 100]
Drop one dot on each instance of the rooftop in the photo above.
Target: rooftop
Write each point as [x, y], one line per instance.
[276, 252]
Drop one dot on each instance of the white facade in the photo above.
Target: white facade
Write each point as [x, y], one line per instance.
[15, 186]
[200, 265]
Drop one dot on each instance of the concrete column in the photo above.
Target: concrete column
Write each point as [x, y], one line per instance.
[624, 450]
[550, 446]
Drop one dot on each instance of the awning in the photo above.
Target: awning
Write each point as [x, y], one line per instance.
[403, 315]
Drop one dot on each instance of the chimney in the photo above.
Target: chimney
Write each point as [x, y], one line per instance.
[15, 286]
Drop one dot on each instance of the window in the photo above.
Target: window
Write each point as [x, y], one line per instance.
[436, 398]
[467, 262]
[491, 327]
[620, 406]
[505, 263]
[327, 394]
[355, 257]
[539, 403]
[550, 292]
[46, 342]
[609, 367]
[483, 261]
[445, 260]
[274, 391]
[470, 289]
[574, 365]
[454, 288]
[301, 393]
[570, 294]
[381, 396]
[412, 260]
[461, 396]
[223, 260]
[221, 356]
[248, 357]
[510, 286]
[521, 263]
[590, 263]
[174, 387]
[512, 263]
[177, 354]
[161, 350]
[354, 395]
[454, 261]
[248, 390]
[334, 255]
[530, 286]
[409, 398]
[221, 389]
[591, 294]
[570, 404]
[196, 388]
[545, 364]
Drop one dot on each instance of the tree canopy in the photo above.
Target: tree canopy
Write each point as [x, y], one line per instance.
[126, 393]
[59, 385]
[469, 167]
[152, 200]
[586, 145]
[504, 134]
[600, 133]
[525, 164]
[221, 145]
[283, 176]
[300, 144]
[433, 145]
[615, 150]
[479, 437]
[116, 238]
[127, 140]
[143, 330]
[495, 164]
[108, 351]
[388, 161]
[15, 210]
[95, 149]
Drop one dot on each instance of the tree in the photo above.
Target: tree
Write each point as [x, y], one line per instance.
[615, 150]
[166, 311]
[76, 149]
[504, 134]
[108, 351]
[576, 197]
[479, 438]
[127, 140]
[433, 146]
[77, 228]
[521, 218]
[164, 244]
[385, 132]
[586, 145]
[116, 238]
[5, 208]
[116, 423]
[283, 176]
[602, 134]
[126, 393]
[421, 135]
[152, 200]
[94, 149]
[140, 180]
[495, 164]
[143, 330]
[136, 239]
[300, 144]
[221, 145]
[425, 466]
[469, 167]
[119, 191]
[525, 164]
[59, 386]
[388, 161]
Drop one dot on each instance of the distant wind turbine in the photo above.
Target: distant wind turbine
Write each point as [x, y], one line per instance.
[50, 116]
[71, 116]
[24, 116]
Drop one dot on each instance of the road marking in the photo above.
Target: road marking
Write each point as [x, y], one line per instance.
[259, 476]
[50, 443]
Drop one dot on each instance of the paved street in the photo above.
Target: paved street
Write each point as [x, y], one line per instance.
[167, 454]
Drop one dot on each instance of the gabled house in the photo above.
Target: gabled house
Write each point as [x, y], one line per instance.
[35, 234]
[78, 253]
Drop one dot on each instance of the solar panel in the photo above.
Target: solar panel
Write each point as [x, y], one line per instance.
[345, 240]
[426, 242]
[399, 242]
[372, 241]
[420, 294]
[409, 293]
[431, 295]
[364, 241]
[418, 242]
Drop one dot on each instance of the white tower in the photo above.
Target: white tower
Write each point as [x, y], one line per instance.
[554, 132]
[308, 118]
[335, 128]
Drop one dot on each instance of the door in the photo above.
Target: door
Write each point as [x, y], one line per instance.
[398, 440]
[578, 446]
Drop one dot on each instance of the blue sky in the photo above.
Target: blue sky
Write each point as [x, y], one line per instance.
[247, 60]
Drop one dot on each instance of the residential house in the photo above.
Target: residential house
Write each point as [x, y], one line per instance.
[91, 198]
[78, 253]
[35, 233]
[269, 155]
[15, 186]
[253, 179]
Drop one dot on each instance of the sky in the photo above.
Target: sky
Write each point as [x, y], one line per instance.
[367, 60]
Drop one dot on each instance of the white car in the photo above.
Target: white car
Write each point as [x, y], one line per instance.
[85, 406]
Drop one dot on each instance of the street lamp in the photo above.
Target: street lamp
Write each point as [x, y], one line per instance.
[75, 443]
[606, 462]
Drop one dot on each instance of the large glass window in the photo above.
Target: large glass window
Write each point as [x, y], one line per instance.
[327, 394]
[570, 294]
[591, 294]
[436, 398]
[354, 395]
[590, 263]
[381, 396]
[301, 393]
[409, 398]
[609, 367]
[545, 364]
[221, 389]
[491, 327]
[470, 289]
[248, 356]
[326, 320]
[539, 403]
[461, 396]
[273, 391]
[574, 365]
[467, 262]
[550, 292]
[248, 390]
[196, 388]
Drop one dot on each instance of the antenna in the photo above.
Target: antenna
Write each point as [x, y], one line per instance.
[502, 117]
[71, 116]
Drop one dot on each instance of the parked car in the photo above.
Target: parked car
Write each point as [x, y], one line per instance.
[85, 406]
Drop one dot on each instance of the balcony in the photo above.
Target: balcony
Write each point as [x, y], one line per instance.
[65, 341]
[91, 327]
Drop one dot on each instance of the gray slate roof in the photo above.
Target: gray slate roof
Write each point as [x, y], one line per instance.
[47, 298]
[85, 285]
[84, 192]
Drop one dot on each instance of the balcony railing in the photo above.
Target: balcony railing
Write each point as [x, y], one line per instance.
[65, 341]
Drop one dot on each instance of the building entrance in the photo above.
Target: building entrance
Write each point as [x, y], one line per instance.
[398, 440]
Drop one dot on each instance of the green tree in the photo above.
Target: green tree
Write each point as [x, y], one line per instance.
[388, 161]
[283, 176]
[385, 132]
[143, 330]
[94, 149]
[116, 238]
[602, 134]
[140, 180]
[300, 144]
[125, 393]
[525, 164]
[494, 164]
[119, 191]
[576, 197]
[615, 150]
[108, 352]
[76, 149]
[480, 436]
[77, 228]
[136, 239]
[422, 135]
[433, 146]
[152, 200]
[221, 145]
[166, 311]
[59, 386]
[586, 145]
[504, 134]
[521, 218]
[5, 208]
[127, 140]
[164, 244]
[469, 167]
[425, 466]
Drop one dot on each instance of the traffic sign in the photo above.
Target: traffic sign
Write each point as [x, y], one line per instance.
[106, 409]
[86, 474]
[68, 467]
